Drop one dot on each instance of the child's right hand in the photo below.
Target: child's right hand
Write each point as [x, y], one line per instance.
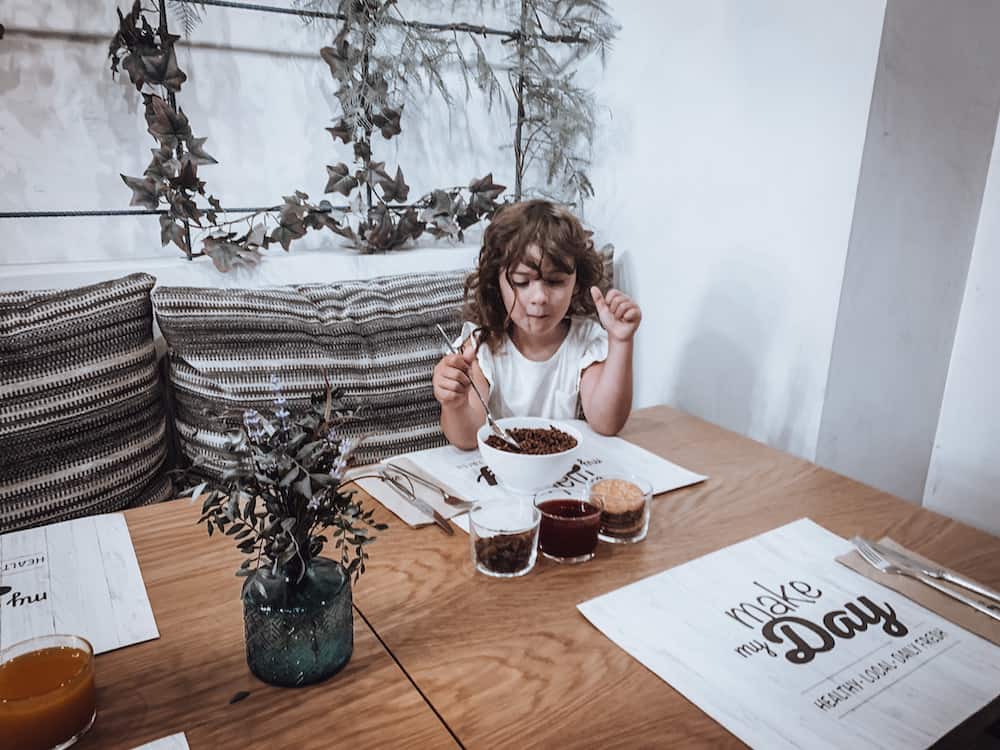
[452, 378]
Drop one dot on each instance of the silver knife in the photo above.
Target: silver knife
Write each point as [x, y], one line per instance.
[932, 571]
[419, 504]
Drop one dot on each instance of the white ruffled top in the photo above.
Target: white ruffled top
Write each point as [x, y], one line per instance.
[520, 387]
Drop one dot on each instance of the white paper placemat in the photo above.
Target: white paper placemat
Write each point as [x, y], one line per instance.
[787, 648]
[173, 742]
[467, 476]
[77, 577]
[392, 500]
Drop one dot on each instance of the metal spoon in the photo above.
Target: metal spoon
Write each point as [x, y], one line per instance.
[497, 430]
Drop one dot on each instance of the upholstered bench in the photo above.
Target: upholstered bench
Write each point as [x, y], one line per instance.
[89, 422]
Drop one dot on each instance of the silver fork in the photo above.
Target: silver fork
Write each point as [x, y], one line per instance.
[449, 499]
[876, 560]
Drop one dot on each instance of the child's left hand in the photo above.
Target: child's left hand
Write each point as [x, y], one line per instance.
[619, 314]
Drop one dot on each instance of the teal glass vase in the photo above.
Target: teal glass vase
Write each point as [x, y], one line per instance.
[298, 630]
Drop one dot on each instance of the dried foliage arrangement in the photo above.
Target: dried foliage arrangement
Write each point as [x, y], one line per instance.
[376, 55]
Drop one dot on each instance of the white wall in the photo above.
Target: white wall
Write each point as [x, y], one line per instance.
[725, 172]
[728, 174]
[934, 114]
[256, 88]
[964, 476]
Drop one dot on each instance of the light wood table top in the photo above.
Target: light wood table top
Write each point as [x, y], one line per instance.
[512, 663]
[184, 681]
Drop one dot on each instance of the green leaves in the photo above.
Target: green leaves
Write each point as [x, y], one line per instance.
[290, 222]
[372, 81]
[340, 57]
[155, 66]
[147, 56]
[282, 502]
[372, 173]
[486, 188]
[163, 166]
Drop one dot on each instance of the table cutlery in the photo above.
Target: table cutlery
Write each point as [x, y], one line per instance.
[452, 500]
[497, 430]
[933, 571]
[416, 502]
[874, 558]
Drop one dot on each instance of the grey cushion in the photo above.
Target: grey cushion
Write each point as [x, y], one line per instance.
[374, 338]
[82, 427]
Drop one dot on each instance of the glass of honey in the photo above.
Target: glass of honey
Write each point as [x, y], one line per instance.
[627, 500]
[47, 695]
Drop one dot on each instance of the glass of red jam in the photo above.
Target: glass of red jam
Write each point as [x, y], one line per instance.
[569, 525]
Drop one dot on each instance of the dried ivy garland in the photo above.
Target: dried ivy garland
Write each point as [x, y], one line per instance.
[553, 117]
[171, 180]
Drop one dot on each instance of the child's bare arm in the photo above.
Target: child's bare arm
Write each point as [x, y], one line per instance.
[606, 387]
[461, 412]
[606, 390]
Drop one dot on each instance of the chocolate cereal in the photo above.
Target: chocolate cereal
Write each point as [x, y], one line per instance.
[506, 553]
[534, 441]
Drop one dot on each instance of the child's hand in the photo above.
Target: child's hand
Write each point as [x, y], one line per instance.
[619, 314]
[452, 378]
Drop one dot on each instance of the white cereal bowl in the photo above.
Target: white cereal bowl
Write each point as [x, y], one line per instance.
[527, 473]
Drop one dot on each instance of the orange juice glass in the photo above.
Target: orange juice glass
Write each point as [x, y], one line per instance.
[47, 695]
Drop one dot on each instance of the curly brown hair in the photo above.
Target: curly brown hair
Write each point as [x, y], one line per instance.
[561, 240]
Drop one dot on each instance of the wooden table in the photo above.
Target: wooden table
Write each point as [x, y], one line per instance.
[452, 654]
[184, 681]
[512, 663]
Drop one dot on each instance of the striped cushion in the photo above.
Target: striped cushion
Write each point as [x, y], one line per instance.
[375, 338]
[82, 427]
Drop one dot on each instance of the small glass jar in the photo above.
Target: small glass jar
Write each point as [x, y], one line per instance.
[504, 537]
[47, 695]
[570, 524]
[626, 502]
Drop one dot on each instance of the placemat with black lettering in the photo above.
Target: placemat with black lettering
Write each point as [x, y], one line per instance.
[77, 577]
[787, 648]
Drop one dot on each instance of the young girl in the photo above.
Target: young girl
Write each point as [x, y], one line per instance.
[529, 341]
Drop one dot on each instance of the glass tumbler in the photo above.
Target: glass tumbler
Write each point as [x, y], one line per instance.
[504, 536]
[47, 695]
[626, 499]
[570, 524]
